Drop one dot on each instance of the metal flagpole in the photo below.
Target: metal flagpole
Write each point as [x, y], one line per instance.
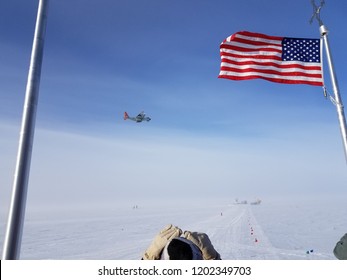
[337, 99]
[15, 223]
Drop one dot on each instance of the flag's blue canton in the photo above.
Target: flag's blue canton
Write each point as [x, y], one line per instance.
[305, 50]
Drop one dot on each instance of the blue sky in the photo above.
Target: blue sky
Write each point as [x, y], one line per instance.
[208, 136]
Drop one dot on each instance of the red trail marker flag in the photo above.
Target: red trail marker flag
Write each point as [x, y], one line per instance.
[247, 55]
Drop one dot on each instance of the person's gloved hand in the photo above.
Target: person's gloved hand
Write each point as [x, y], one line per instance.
[203, 242]
[154, 250]
[340, 250]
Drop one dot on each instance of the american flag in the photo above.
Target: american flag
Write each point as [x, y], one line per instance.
[246, 55]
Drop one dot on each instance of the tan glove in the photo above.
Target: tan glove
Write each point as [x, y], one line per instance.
[340, 250]
[154, 250]
[204, 244]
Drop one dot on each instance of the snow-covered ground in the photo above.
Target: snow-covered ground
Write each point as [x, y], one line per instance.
[275, 229]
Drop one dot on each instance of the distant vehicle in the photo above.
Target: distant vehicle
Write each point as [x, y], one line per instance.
[139, 118]
[257, 202]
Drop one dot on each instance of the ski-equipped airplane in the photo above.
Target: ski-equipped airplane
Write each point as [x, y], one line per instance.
[139, 118]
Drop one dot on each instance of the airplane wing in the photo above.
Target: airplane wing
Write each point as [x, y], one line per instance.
[141, 115]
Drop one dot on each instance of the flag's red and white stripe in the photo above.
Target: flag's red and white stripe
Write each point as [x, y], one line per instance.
[246, 55]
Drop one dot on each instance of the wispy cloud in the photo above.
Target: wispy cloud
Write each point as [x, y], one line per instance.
[142, 163]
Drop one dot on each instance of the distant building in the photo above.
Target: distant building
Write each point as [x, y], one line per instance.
[240, 202]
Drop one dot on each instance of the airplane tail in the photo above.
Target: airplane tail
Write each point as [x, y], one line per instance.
[126, 116]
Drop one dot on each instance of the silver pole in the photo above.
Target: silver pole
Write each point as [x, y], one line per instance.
[16, 216]
[337, 101]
